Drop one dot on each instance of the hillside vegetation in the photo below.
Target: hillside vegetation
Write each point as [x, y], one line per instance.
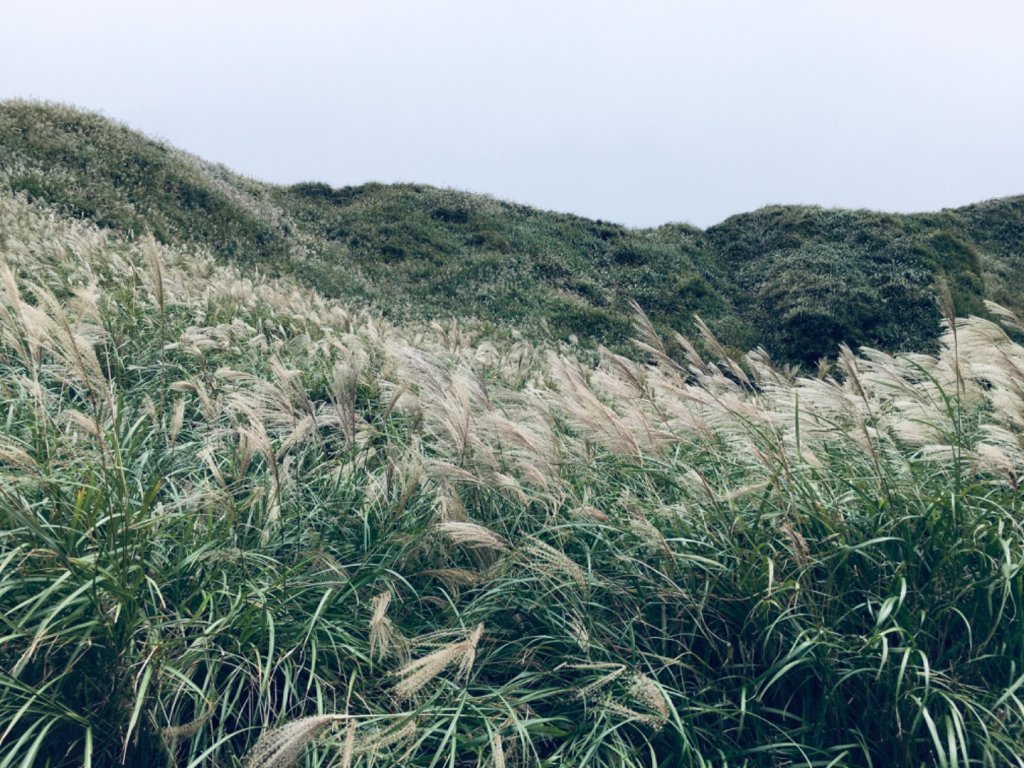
[240, 521]
[797, 280]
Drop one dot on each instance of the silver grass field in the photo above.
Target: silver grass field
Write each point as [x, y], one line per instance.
[241, 524]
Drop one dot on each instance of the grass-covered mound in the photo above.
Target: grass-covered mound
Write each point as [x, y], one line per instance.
[798, 280]
[228, 504]
[415, 251]
[816, 278]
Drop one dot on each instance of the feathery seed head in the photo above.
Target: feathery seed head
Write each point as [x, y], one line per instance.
[282, 746]
[470, 535]
[419, 672]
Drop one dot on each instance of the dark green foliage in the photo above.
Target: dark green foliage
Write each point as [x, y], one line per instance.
[996, 228]
[434, 253]
[809, 299]
[413, 251]
[813, 278]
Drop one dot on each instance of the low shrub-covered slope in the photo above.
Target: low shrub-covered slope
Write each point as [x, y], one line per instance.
[811, 278]
[415, 251]
[796, 279]
[450, 253]
[239, 519]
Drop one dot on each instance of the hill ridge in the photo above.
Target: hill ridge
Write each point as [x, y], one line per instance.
[797, 279]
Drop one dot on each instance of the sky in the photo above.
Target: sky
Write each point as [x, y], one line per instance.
[641, 112]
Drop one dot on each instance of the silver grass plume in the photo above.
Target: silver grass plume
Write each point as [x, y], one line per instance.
[650, 694]
[282, 746]
[385, 639]
[629, 713]
[29, 350]
[177, 420]
[470, 535]
[498, 750]
[589, 512]
[798, 544]
[348, 749]
[616, 671]
[548, 559]
[375, 743]
[13, 454]
[156, 270]
[453, 579]
[416, 674]
[172, 734]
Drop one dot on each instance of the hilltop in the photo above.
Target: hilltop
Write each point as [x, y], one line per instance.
[795, 279]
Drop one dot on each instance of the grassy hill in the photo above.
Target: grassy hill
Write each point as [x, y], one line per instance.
[796, 279]
[245, 523]
[238, 517]
[413, 250]
[808, 278]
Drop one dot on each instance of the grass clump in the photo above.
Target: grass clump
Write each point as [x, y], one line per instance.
[234, 512]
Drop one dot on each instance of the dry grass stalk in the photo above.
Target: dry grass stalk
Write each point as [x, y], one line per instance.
[343, 395]
[16, 456]
[385, 639]
[282, 747]
[589, 512]
[544, 557]
[376, 742]
[453, 579]
[449, 507]
[588, 413]
[156, 270]
[746, 490]
[648, 693]
[348, 748]
[172, 734]
[616, 671]
[471, 535]
[629, 713]
[497, 750]
[578, 632]
[798, 544]
[177, 421]
[416, 674]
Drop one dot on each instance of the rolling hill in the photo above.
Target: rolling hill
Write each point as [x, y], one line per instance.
[246, 522]
[796, 279]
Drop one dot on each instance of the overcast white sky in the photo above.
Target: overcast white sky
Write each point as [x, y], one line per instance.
[640, 112]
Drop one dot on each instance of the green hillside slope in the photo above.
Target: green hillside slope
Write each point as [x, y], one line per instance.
[235, 513]
[243, 523]
[795, 279]
[415, 251]
[810, 278]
